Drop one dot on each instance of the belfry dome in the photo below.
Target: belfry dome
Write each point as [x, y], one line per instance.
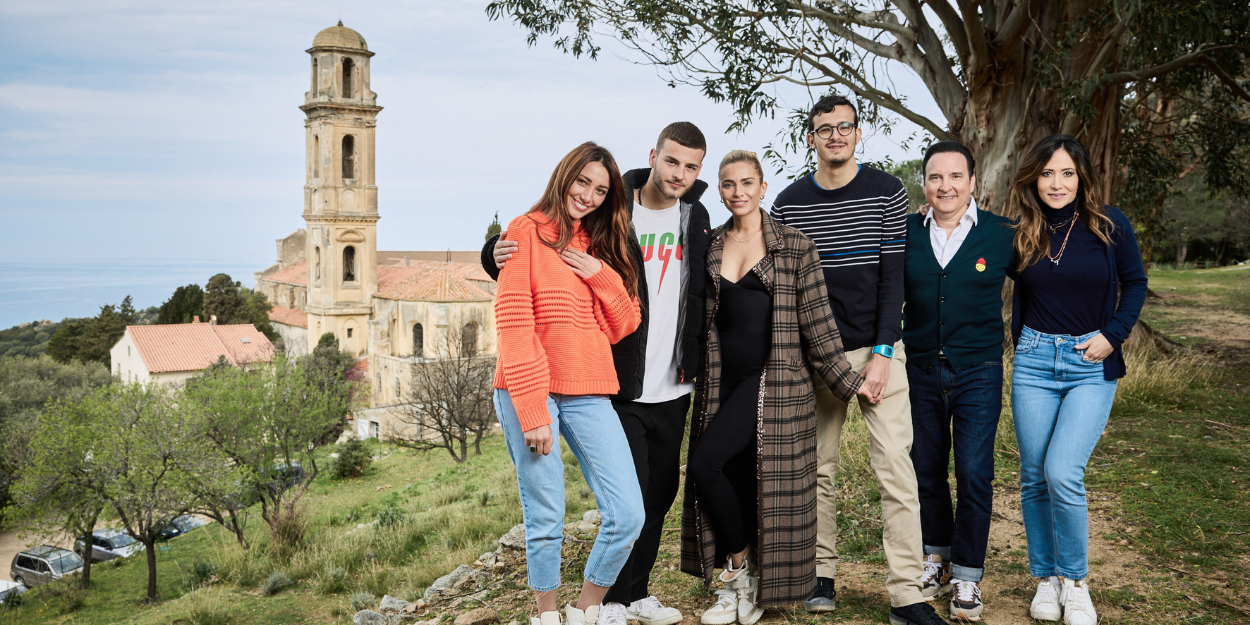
[339, 36]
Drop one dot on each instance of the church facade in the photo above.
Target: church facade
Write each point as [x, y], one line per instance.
[389, 309]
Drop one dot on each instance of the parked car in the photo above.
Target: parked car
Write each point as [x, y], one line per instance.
[181, 525]
[284, 476]
[10, 589]
[109, 544]
[43, 564]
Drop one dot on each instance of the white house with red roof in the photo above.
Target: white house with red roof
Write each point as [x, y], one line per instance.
[173, 353]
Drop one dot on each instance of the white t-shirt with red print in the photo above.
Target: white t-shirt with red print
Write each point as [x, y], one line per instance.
[659, 235]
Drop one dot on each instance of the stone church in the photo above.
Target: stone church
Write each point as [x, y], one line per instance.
[389, 309]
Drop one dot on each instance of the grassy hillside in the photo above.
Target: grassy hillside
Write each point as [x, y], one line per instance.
[1168, 488]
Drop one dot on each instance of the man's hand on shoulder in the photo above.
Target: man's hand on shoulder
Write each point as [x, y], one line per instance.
[876, 377]
[504, 249]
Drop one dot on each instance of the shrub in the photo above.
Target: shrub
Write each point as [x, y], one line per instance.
[208, 609]
[66, 595]
[390, 516]
[361, 601]
[240, 567]
[201, 572]
[287, 526]
[275, 583]
[333, 582]
[354, 459]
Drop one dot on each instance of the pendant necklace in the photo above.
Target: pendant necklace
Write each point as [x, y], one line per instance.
[1054, 260]
[1056, 227]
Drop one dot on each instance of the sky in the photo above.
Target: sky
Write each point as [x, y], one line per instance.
[138, 130]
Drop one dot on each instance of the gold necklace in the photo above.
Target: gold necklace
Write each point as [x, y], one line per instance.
[731, 235]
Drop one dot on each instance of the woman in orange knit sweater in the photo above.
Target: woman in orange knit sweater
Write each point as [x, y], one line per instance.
[567, 295]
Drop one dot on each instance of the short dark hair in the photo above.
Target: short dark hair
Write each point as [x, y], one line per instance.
[942, 147]
[826, 105]
[683, 133]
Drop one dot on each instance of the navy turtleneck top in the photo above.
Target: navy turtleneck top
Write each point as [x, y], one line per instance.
[1067, 297]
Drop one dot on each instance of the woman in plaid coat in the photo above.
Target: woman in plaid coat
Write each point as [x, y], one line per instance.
[750, 495]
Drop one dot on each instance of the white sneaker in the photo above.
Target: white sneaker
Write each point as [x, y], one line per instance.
[723, 612]
[546, 618]
[573, 616]
[966, 604]
[613, 614]
[1045, 606]
[746, 583]
[1078, 609]
[936, 580]
[650, 611]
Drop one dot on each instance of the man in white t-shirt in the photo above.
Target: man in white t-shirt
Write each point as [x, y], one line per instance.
[657, 363]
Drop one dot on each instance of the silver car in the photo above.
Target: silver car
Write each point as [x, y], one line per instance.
[43, 564]
[109, 544]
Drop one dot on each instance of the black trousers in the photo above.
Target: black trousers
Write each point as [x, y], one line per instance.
[722, 467]
[655, 434]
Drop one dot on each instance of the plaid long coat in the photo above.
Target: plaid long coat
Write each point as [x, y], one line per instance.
[804, 339]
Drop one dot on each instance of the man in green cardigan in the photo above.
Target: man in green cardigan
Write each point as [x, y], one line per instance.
[956, 261]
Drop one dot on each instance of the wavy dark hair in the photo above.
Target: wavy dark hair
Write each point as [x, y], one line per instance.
[608, 226]
[1032, 243]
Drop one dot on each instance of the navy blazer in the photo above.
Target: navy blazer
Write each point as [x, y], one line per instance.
[1125, 296]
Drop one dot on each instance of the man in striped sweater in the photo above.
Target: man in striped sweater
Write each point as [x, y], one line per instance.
[857, 216]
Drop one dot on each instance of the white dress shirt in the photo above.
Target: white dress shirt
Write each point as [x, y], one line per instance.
[945, 248]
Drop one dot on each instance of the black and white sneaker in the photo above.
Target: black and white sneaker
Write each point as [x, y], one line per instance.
[966, 604]
[822, 598]
[916, 614]
[936, 580]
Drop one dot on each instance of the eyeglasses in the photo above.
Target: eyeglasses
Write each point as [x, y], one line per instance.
[826, 132]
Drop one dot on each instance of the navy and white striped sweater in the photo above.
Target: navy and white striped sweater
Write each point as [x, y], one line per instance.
[860, 231]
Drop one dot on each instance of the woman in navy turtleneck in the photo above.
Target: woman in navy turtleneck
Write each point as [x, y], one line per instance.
[1080, 286]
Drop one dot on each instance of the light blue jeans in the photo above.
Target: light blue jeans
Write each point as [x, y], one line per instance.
[1060, 404]
[594, 433]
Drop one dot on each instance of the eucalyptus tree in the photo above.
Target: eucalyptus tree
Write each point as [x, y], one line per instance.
[1003, 73]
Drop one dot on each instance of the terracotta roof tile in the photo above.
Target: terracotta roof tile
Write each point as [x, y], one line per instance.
[195, 346]
[295, 274]
[289, 316]
[433, 282]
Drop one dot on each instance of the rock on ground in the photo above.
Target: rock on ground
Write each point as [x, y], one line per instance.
[445, 582]
[592, 516]
[514, 539]
[479, 616]
[369, 617]
[392, 604]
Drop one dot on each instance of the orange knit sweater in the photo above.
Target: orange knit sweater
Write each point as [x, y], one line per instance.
[556, 329]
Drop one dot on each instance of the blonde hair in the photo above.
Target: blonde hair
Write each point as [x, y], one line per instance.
[741, 156]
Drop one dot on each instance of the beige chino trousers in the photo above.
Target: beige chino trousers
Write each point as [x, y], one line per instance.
[889, 428]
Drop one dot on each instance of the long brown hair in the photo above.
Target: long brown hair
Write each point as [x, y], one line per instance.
[1032, 242]
[608, 226]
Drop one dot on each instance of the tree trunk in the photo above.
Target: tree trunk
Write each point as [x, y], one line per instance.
[150, 547]
[238, 531]
[1181, 250]
[84, 580]
[1008, 110]
[464, 450]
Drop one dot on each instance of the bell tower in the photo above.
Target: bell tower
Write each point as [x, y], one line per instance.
[340, 193]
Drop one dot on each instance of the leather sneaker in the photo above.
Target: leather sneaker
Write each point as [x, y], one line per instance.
[822, 598]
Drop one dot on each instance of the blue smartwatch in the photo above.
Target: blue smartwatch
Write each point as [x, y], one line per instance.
[884, 350]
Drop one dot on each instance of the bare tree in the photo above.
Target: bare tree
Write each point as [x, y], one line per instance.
[449, 398]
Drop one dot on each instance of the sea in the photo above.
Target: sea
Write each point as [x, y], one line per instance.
[54, 290]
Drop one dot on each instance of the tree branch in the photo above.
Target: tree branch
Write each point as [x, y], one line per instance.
[1016, 23]
[1197, 56]
[936, 70]
[1227, 79]
[979, 51]
[954, 27]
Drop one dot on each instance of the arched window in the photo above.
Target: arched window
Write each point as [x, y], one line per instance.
[349, 156]
[316, 156]
[314, 79]
[349, 264]
[468, 339]
[317, 263]
[347, 77]
[418, 341]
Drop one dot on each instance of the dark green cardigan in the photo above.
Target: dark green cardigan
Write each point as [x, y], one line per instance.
[956, 310]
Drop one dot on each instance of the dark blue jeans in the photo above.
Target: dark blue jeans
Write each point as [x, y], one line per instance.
[960, 410]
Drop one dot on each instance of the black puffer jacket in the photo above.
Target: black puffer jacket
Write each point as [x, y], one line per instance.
[629, 354]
